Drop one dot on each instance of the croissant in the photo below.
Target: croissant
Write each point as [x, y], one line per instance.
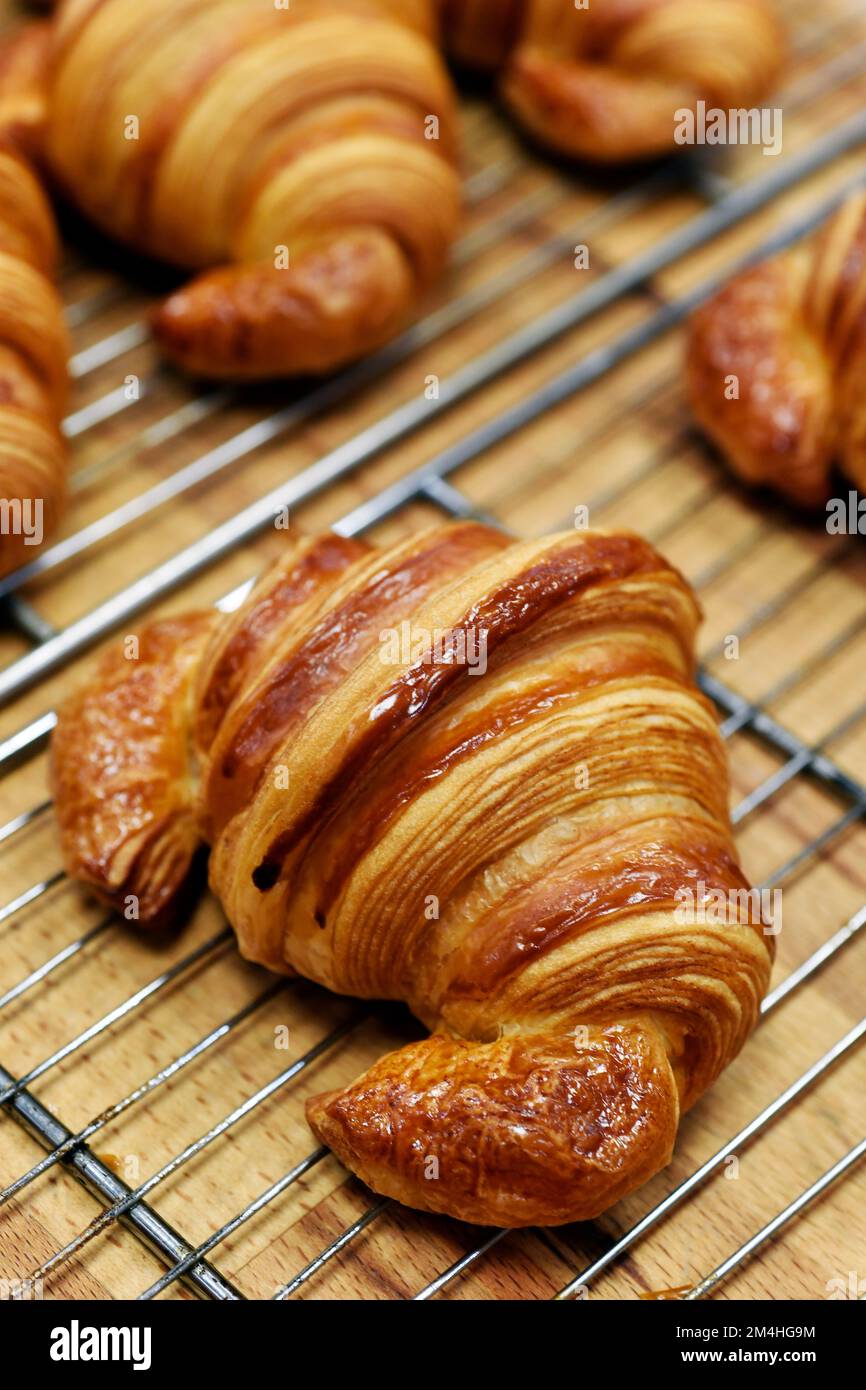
[606, 79]
[467, 773]
[777, 361]
[300, 156]
[34, 345]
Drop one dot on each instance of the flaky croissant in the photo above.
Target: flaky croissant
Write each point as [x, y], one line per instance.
[300, 155]
[34, 345]
[604, 80]
[467, 773]
[776, 363]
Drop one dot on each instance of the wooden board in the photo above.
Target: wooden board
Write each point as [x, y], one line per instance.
[624, 448]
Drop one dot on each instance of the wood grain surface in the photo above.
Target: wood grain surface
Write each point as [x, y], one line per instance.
[793, 595]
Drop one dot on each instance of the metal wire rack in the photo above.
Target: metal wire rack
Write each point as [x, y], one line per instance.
[518, 384]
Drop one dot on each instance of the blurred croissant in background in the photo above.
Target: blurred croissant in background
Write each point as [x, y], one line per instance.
[300, 155]
[602, 81]
[776, 363]
[467, 773]
[33, 341]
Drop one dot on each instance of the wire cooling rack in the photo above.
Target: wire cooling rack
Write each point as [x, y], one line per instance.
[158, 1086]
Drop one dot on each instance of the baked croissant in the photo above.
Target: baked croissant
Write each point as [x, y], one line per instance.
[605, 80]
[467, 773]
[777, 360]
[34, 345]
[300, 156]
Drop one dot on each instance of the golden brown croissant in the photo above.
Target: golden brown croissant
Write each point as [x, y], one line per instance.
[300, 155]
[777, 361]
[467, 773]
[33, 340]
[604, 80]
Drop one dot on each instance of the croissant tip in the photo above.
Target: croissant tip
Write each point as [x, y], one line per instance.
[566, 1159]
[322, 1115]
[166, 322]
[190, 331]
[316, 1111]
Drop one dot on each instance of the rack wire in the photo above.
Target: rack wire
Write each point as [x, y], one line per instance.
[518, 383]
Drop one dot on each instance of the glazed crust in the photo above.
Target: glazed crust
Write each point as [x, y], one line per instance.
[349, 298]
[533, 1130]
[604, 82]
[776, 362]
[301, 156]
[34, 346]
[467, 773]
[124, 786]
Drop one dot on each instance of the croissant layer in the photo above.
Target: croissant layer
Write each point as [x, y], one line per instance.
[471, 774]
[777, 359]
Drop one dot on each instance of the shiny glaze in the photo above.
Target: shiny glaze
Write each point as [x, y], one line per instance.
[126, 801]
[313, 572]
[433, 761]
[503, 615]
[336, 644]
[527, 1131]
